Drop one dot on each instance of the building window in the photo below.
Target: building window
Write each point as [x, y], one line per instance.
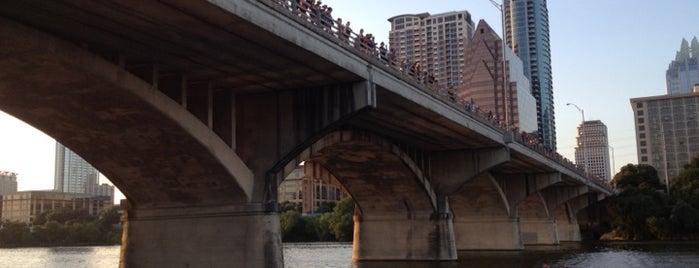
[639, 112]
[642, 135]
[644, 159]
[639, 105]
[641, 128]
[643, 143]
[641, 120]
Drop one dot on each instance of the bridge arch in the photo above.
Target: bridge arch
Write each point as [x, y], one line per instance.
[378, 174]
[155, 151]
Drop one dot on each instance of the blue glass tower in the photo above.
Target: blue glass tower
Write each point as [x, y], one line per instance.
[527, 31]
[683, 73]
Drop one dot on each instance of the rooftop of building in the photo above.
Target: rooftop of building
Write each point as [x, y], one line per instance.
[664, 97]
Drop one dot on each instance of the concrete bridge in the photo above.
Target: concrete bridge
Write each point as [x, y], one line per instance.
[197, 110]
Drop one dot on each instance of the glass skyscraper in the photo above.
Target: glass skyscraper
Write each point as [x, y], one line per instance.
[73, 174]
[683, 73]
[527, 33]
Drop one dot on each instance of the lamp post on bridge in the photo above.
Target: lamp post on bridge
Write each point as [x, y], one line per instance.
[505, 90]
[582, 130]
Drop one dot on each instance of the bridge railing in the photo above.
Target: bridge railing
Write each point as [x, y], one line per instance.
[364, 45]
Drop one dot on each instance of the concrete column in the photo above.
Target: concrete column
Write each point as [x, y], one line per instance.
[539, 231]
[207, 236]
[483, 233]
[393, 237]
[568, 231]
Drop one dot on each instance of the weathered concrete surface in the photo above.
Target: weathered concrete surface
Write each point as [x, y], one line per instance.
[395, 237]
[220, 236]
[538, 231]
[482, 217]
[484, 233]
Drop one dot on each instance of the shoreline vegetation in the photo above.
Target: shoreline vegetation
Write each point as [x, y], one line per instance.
[64, 227]
[646, 209]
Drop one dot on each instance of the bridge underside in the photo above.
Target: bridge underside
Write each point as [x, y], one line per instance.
[196, 113]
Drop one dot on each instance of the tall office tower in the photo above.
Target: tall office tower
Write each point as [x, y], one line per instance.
[682, 75]
[73, 174]
[483, 81]
[592, 150]
[8, 182]
[527, 33]
[667, 131]
[436, 42]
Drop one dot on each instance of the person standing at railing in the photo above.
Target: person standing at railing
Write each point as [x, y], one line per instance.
[315, 12]
[347, 32]
[326, 19]
[383, 53]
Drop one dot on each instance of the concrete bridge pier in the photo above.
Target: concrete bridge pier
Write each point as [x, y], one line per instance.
[202, 236]
[539, 231]
[395, 237]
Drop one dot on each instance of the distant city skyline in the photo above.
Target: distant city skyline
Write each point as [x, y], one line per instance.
[602, 55]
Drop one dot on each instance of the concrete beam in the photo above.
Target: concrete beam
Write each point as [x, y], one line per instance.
[518, 187]
[557, 196]
[451, 169]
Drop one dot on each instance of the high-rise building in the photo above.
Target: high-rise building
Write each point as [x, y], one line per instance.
[483, 81]
[73, 174]
[667, 131]
[682, 76]
[436, 42]
[527, 34]
[592, 150]
[8, 182]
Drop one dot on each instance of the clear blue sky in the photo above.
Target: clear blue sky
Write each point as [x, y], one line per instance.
[604, 52]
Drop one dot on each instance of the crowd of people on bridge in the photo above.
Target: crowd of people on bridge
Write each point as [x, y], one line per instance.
[320, 15]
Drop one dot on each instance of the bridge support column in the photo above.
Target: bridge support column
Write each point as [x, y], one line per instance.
[397, 238]
[568, 231]
[539, 231]
[487, 234]
[215, 236]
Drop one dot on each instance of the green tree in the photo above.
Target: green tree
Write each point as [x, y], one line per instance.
[638, 176]
[634, 213]
[341, 222]
[686, 185]
[14, 233]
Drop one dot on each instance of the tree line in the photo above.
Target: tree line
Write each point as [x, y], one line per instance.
[61, 227]
[644, 210]
[335, 223]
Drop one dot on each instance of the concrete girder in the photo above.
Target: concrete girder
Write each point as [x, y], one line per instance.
[115, 120]
[518, 187]
[451, 169]
[559, 195]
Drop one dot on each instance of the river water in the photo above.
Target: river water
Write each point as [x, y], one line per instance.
[612, 254]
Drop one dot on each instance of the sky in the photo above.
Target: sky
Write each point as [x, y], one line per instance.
[603, 53]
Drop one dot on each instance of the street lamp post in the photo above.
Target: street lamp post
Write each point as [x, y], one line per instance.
[613, 161]
[582, 140]
[505, 90]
